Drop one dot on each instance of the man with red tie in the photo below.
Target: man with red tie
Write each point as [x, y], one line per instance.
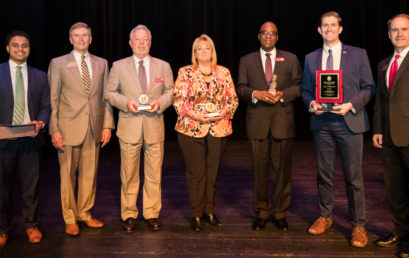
[270, 123]
[391, 131]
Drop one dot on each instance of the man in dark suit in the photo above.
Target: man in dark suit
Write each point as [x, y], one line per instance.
[341, 128]
[24, 99]
[391, 130]
[270, 122]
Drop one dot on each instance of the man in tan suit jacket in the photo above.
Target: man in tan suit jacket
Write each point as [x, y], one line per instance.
[80, 121]
[130, 81]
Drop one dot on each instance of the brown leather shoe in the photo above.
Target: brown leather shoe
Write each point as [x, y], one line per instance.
[34, 235]
[93, 223]
[320, 225]
[72, 229]
[3, 240]
[359, 238]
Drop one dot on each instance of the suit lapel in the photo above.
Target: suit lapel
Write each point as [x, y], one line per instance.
[94, 69]
[318, 60]
[278, 65]
[344, 57]
[30, 88]
[73, 68]
[132, 71]
[152, 68]
[258, 66]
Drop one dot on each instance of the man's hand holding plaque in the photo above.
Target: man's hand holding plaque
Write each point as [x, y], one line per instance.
[144, 102]
[328, 89]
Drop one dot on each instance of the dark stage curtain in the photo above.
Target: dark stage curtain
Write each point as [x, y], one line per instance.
[232, 24]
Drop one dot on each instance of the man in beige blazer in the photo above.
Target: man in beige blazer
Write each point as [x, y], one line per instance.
[81, 122]
[132, 81]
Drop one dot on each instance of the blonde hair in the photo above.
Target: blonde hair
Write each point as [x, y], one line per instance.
[209, 41]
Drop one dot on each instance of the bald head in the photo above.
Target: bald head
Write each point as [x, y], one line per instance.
[268, 36]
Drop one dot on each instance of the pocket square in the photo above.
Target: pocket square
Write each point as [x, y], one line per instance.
[159, 79]
[279, 59]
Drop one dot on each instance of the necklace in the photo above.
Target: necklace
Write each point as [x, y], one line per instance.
[206, 74]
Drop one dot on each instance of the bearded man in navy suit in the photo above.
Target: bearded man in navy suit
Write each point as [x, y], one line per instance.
[24, 99]
[341, 128]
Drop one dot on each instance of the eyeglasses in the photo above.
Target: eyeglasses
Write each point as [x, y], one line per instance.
[265, 33]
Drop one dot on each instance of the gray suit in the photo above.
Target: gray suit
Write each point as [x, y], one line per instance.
[79, 117]
[139, 130]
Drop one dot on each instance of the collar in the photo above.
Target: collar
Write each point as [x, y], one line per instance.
[273, 52]
[402, 54]
[336, 48]
[145, 59]
[13, 65]
[79, 56]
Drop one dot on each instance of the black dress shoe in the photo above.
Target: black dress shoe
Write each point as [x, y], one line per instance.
[281, 224]
[154, 224]
[259, 223]
[212, 220]
[403, 254]
[129, 225]
[196, 224]
[389, 241]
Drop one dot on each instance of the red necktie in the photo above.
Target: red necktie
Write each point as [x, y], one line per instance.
[392, 72]
[269, 69]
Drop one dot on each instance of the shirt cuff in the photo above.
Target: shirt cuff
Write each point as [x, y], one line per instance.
[254, 100]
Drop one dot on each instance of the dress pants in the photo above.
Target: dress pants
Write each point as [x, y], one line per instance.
[152, 195]
[271, 156]
[19, 157]
[83, 158]
[396, 164]
[335, 134]
[202, 158]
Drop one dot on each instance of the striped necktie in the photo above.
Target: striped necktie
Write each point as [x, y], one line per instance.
[19, 99]
[86, 79]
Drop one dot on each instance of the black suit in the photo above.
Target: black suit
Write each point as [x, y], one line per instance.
[22, 156]
[391, 119]
[270, 129]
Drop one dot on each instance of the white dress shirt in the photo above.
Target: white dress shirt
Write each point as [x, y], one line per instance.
[273, 54]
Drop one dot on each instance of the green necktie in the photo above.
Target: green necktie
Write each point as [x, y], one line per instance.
[18, 113]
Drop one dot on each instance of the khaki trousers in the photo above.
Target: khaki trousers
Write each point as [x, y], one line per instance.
[152, 196]
[83, 158]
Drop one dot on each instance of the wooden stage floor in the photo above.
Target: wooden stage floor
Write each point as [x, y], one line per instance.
[233, 207]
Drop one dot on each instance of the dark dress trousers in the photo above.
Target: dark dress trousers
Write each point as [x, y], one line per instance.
[270, 129]
[21, 157]
[331, 131]
[391, 119]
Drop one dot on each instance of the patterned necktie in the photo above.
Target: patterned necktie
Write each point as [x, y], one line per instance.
[330, 60]
[86, 79]
[393, 71]
[269, 69]
[142, 77]
[18, 112]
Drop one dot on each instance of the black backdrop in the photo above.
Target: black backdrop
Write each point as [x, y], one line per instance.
[232, 24]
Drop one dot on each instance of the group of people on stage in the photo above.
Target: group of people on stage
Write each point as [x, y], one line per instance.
[75, 101]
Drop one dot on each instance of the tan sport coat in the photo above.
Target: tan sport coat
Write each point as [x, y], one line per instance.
[72, 107]
[123, 84]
